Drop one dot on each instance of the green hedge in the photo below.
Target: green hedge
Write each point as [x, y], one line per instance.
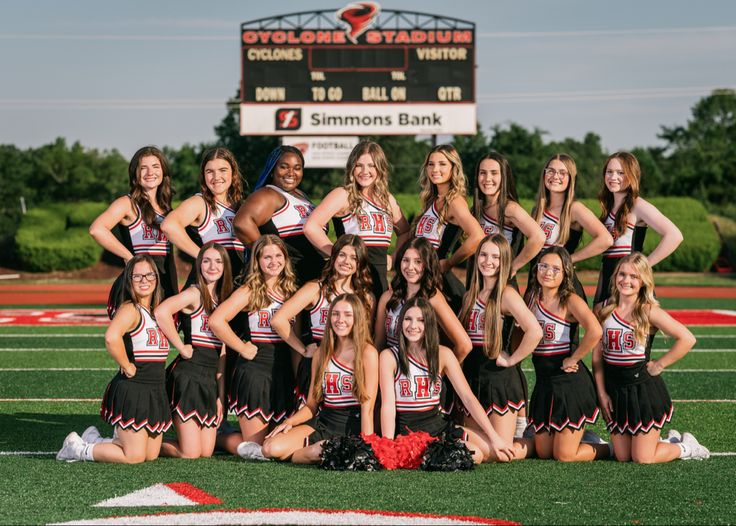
[57, 237]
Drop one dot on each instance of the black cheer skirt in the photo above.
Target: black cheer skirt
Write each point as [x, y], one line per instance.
[140, 402]
[453, 290]
[303, 381]
[498, 389]
[432, 422]
[640, 401]
[264, 386]
[192, 387]
[333, 422]
[561, 400]
[167, 281]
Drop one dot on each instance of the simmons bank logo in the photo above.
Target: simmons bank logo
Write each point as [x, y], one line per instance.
[288, 118]
[358, 17]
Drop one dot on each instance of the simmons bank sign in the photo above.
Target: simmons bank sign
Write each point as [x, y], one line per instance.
[357, 70]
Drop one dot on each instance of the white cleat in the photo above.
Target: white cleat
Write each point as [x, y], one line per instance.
[72, 449]
[697, 450]
[251, 451]
[91, 435]
[591, 437]
[673, 436]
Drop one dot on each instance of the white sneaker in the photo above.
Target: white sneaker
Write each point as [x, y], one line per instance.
[91, 435]
[697, 450]
[72, 449]
[591, 437]
[251, 451]
[673, 436]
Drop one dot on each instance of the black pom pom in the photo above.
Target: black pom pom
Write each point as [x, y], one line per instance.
[348, 453]
[447, 454]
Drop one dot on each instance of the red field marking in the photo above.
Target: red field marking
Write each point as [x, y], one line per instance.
[53, 317]
[684, 292]
[704, 317]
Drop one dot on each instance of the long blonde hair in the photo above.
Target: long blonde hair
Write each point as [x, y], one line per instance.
[458, 181]
[361, 337]
[286, 285]
[492, 329]
[645, 300]
[543, 197]
[379, 191]
[632, 173]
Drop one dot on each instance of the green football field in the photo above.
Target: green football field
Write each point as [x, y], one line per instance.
[51, 379]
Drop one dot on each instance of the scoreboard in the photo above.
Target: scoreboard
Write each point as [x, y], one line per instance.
[358, 70]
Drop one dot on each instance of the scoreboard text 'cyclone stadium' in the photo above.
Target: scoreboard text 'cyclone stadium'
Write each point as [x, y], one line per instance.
[358, 70]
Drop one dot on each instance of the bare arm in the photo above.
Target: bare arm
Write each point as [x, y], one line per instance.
[451, 368]
[387, 370]
[513, 304]
[452, 327]
[220, 318]
[601, 237]
[579, 311]
[314, 229]
[305, 297]
[255, 212]
[190, 212]
[671, 235]
[370, 365]
[461, 216]
[532, 232]
[125, 320]
[101, 228]
[684, 340]
[380, 327]
[189, 299]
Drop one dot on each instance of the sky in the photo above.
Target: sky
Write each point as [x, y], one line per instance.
[119, 75]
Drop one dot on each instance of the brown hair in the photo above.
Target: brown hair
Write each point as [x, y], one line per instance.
[431, 280]
[430, 340]
[506, 193]
[566, 288]
[543, 196]
[128, 291]
[632, 173]
[235, 192]
[164, 191]
[361, 281]
[224, 286]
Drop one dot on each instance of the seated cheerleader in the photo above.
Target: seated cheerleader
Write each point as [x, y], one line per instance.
[632, 394]
[135, 400]
[411, 383]
[195, 379]
[490, 303]
[343, 391]
[563, 400]
[261, 389]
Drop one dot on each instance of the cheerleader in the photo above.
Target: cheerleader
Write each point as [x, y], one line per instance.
[195, 379]
[277, 206]
[489, 369]
[563, 219]
[262, 385]
[563, 401]
[140, 214]
[362, 206]
[632, 394]
[410, 378]
[135, 400]
[446, 216]
[343, 391]
[497, 209]
[346, 272]
[210, 213]
[627, 216]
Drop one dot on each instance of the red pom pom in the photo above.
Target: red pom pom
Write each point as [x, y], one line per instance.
[406, 451]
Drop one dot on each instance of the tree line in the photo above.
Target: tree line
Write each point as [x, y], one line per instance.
[698, 159]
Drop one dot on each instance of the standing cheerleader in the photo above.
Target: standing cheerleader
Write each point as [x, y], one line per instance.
[489, 369]
[446, 216]
[139, 215]
[364, 207]
[346, 272]
[563, 219]
[497, 209]
[563, 401]
[632, 394]
[277, 206]
[262, 386]
[418, 276]
[195, 379]
[210, 213]
[626, 216]
[343, 391]
[410, 378]
[135, 400]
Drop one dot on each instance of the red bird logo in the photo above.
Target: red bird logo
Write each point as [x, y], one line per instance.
[358, 17]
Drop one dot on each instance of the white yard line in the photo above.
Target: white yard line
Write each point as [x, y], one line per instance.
[66, 335]
[45, 349]
[36, 369]
[44, 400]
